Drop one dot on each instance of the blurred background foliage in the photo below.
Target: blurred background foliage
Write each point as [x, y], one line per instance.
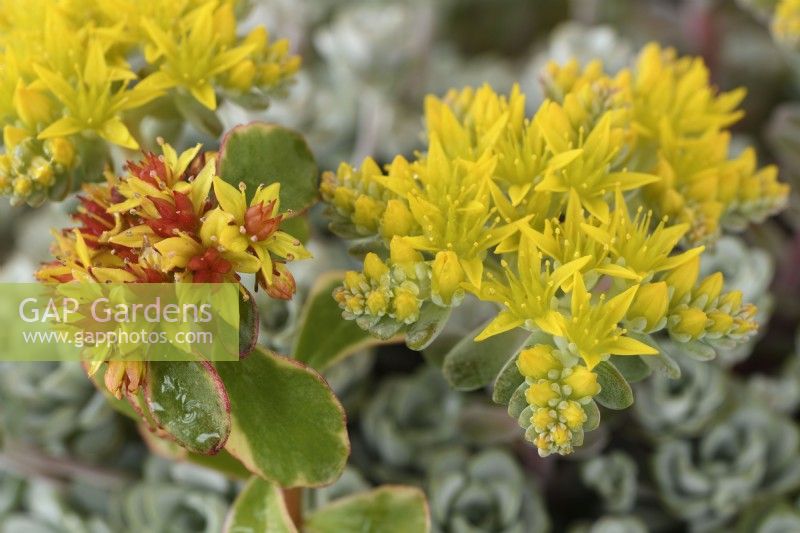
[716, 447]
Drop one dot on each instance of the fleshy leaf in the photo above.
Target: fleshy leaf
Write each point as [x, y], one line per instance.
[261, 153]
[615, 393]
[632, 368]
[508, 380]
[342, 337]
[387, 509]
[432, 320]
[187, 399]
[471, 365]
[259, 507]
[287, 425]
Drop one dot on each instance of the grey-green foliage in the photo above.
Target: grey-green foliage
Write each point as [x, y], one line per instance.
[41, 506]
[54, 407]
[410, 418]
[612, 524]
[172, 497]
[681, 406]
[481, 493]
[780, 392]
[751, 454]
[777, 517]
[613, 477]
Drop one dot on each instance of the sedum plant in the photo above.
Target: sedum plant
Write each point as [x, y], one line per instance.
[584, 224]
[78, 77]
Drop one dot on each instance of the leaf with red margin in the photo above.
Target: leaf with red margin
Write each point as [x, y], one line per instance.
[260, 154]
[287, 425]
[188, 401]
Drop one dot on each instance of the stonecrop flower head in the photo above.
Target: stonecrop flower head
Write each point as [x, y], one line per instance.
[584, 224]
[160, 223]
[67, 87]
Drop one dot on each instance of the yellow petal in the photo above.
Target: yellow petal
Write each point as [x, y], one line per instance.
[503, 322]
[230, 199]
[61, 128]
[116, 132]
[204, 93]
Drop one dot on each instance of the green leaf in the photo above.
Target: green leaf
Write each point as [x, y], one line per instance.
[592, 416]
[259, 508]
[387, 509]
[615, 393]
[631, 367]
[187, 399]
[431, 322]
[342, 337]
[518, 403]
[261, 153]
[508, 380]
[288, 427]
[298, 227]
[248, 325]
[471, 365]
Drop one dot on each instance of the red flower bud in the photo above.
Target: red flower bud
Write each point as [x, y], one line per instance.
[283, 285]
[259, 222]
[177, 216]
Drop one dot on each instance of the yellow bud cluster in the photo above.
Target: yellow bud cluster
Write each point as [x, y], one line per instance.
[385, 291]
[556, 395]
[358, 201]
[701, 311]
[30, 169]
[786, 22]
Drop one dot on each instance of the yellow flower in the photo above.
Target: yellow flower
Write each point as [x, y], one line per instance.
[593, 331]
[257, 224]
[636, 246]
[194, 56]
[527, 293]
[92, 102]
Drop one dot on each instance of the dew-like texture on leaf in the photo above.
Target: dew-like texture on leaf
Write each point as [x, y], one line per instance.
[288, 426]
[188, 400]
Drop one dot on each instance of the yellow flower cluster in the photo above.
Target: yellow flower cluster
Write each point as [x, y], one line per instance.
[558, 397]
[786, 22]
[160, 223]
[585, 222]
[66, 75]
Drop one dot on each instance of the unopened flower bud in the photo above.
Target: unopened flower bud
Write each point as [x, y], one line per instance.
[540, 394]
[446, 276]
[367, 212]
[61, 150]
[376, 303]
[692, 322]
[396, 220]
[711, 286]
[536, 362]
[651, 303]
[683, 278]
[582, 382]
[283, 285]
[542, 418]
[374, 268]
[573, 415]
[406, 306]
